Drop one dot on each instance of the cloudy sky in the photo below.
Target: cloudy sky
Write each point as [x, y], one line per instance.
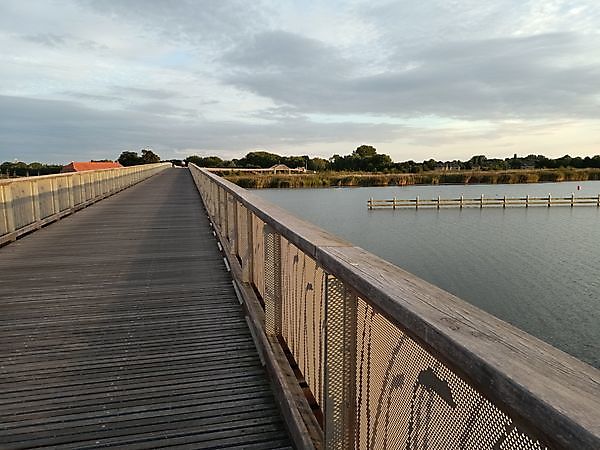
[417, 79]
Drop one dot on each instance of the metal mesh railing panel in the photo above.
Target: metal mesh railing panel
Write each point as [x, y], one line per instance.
[231, 219]
[303, 314]
[340, 370]
[407, 399]
[242, 234]
[272, 293]
[258, 255]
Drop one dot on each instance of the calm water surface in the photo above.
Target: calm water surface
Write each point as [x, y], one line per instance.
[537, 268]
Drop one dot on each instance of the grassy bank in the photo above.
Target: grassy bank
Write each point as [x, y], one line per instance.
[327, 179]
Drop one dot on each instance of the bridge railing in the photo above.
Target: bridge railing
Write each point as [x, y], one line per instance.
[392, 361]
[31, 202]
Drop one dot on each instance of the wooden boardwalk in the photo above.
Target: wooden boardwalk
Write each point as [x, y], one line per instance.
[119, 327]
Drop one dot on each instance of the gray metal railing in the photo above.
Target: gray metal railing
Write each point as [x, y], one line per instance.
[31, 202]
[392, 361]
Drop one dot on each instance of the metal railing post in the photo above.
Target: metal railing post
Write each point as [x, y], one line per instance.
[340, 365]
[273, 281]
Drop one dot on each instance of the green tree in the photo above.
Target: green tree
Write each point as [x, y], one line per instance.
[129, 159]
[318, 164]
[365, 151]
[206, 161]
[262, 160]
[149, 157]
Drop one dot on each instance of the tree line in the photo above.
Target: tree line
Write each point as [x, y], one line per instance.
[366, 159]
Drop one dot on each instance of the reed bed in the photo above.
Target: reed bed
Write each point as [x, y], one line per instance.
[329, 179]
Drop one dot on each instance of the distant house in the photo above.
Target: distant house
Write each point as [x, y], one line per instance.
[92, 165]
[282, 168]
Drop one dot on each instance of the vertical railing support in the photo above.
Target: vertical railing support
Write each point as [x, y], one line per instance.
[340, 367]
[273, 278]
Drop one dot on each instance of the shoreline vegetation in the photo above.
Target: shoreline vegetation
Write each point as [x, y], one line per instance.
[365, 179]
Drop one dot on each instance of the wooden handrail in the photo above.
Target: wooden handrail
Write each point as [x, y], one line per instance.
[28, 203]
[549, 395]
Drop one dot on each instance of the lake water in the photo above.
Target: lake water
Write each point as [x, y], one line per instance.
[537, 268]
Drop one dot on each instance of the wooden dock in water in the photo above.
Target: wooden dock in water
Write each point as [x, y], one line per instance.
[483, 202]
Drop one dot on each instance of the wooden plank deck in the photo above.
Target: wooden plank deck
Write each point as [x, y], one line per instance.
[119, 327]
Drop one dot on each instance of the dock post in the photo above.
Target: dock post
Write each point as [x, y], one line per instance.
[527, 201]
[481, 202]
[504, 202]
[370, 203]
[572, 199]
[394, 204]
[598, 204]
[461, 200]
[549, 200]
[417, 202]
[438, 205]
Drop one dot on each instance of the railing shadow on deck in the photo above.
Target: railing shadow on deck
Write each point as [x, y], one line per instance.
[388, 360]
[29, 203]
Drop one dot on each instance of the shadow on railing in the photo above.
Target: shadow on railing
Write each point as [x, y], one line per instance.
[27, 204]
[391, 361]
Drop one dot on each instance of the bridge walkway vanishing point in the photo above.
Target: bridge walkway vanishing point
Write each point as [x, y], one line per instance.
[120, 327]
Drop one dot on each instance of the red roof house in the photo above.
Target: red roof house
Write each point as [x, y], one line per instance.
[92, 165]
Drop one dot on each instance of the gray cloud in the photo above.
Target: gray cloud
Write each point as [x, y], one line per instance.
[54, 40]
[47, 39]
[285, 51]
[156, 94]
[234, 75]
[51, 130]
[188, 20]
[484, 79]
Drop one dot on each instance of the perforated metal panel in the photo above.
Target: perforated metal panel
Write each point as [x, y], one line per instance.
[231, 220]
[408, 399]
[272, 295]
[258, 255]
[242, 234]
[303, 313]
[379, 388]
[340, 370]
